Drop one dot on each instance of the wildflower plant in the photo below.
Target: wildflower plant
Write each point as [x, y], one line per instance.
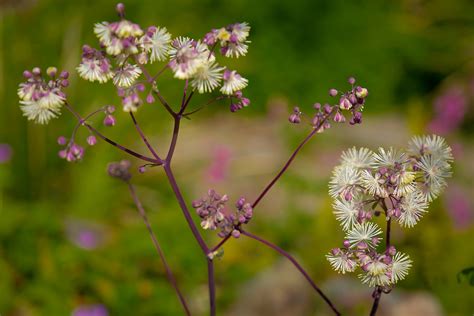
[400, 183]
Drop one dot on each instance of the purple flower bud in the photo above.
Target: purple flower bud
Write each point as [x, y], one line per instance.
[62, 140]
[351, 80]
[140, 87]
[339, 118]
[120, 7]
[335, 251]
[91, 140]
[150, 99]
[348, 196]
[332, 92]
[294, 118]
[352, 99]
[240, 203]
[197, 203]
[327, 108]
[109, 120]
[245, 101]
[120, 170]
[51, 71]
[242, 219]
[142, 169]
[391, 251]
[64, 83]
[317, 106]
[346, 243]
[62, 154]
[27, 74]
[235, 233]
[362, 245]
[345, 104]
[64, 74]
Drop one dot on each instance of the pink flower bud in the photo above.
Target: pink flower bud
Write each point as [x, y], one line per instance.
[91, 140]
[109, 120]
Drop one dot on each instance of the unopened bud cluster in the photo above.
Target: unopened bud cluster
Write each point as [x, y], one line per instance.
[214, 215]
[120, 170]
[351, 101]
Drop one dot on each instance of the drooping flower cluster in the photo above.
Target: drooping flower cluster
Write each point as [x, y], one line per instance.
[72, 151]
[398, 184]
[41, 98]
[352, 101]
[214, 215]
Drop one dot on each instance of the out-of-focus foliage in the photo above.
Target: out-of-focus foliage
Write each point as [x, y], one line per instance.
[70, 236]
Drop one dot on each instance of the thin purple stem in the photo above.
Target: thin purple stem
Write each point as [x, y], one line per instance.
[113, 143]
[288, 163]
[212, 286]
[184, 208]
[377, 294]
[169, 273]
[163, 102]
[223, 241]
[143, 137]
[296, 264]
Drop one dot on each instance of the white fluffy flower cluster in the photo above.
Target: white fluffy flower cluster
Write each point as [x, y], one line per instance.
[126, 48]
[398, 184]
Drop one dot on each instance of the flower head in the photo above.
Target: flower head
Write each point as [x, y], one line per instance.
[41, 99]
[233, 82]
[156, 42]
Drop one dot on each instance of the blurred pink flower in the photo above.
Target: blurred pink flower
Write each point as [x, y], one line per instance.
[6, 153]
[219, 165]
[85, 235]
[450, 108]
[90, 310]
[458, 205]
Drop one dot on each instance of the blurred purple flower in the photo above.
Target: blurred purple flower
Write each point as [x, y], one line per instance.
[220, 163]
[457, 203]
[85, 235]
[6, 153]
[90, 310]
[450, 108]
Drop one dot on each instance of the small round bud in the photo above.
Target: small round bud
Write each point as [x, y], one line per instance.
[317, 106]
[62, 140]
[332, 92]
[294, 118]
[52, 71]
[91, 140]
[140, 87]
[345, 104]
[36, 71]
[339, 118]
[327, 108]
[235, 233]
[109, 120]
[65, 83]
[27, 74]
[142, 169]
[346, 243]
[391, 251]
[351, 80]
[150, 99]
[64, 74]
[120, 7]
[62, 154]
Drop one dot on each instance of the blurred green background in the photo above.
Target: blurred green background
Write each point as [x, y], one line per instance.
[70, 236]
